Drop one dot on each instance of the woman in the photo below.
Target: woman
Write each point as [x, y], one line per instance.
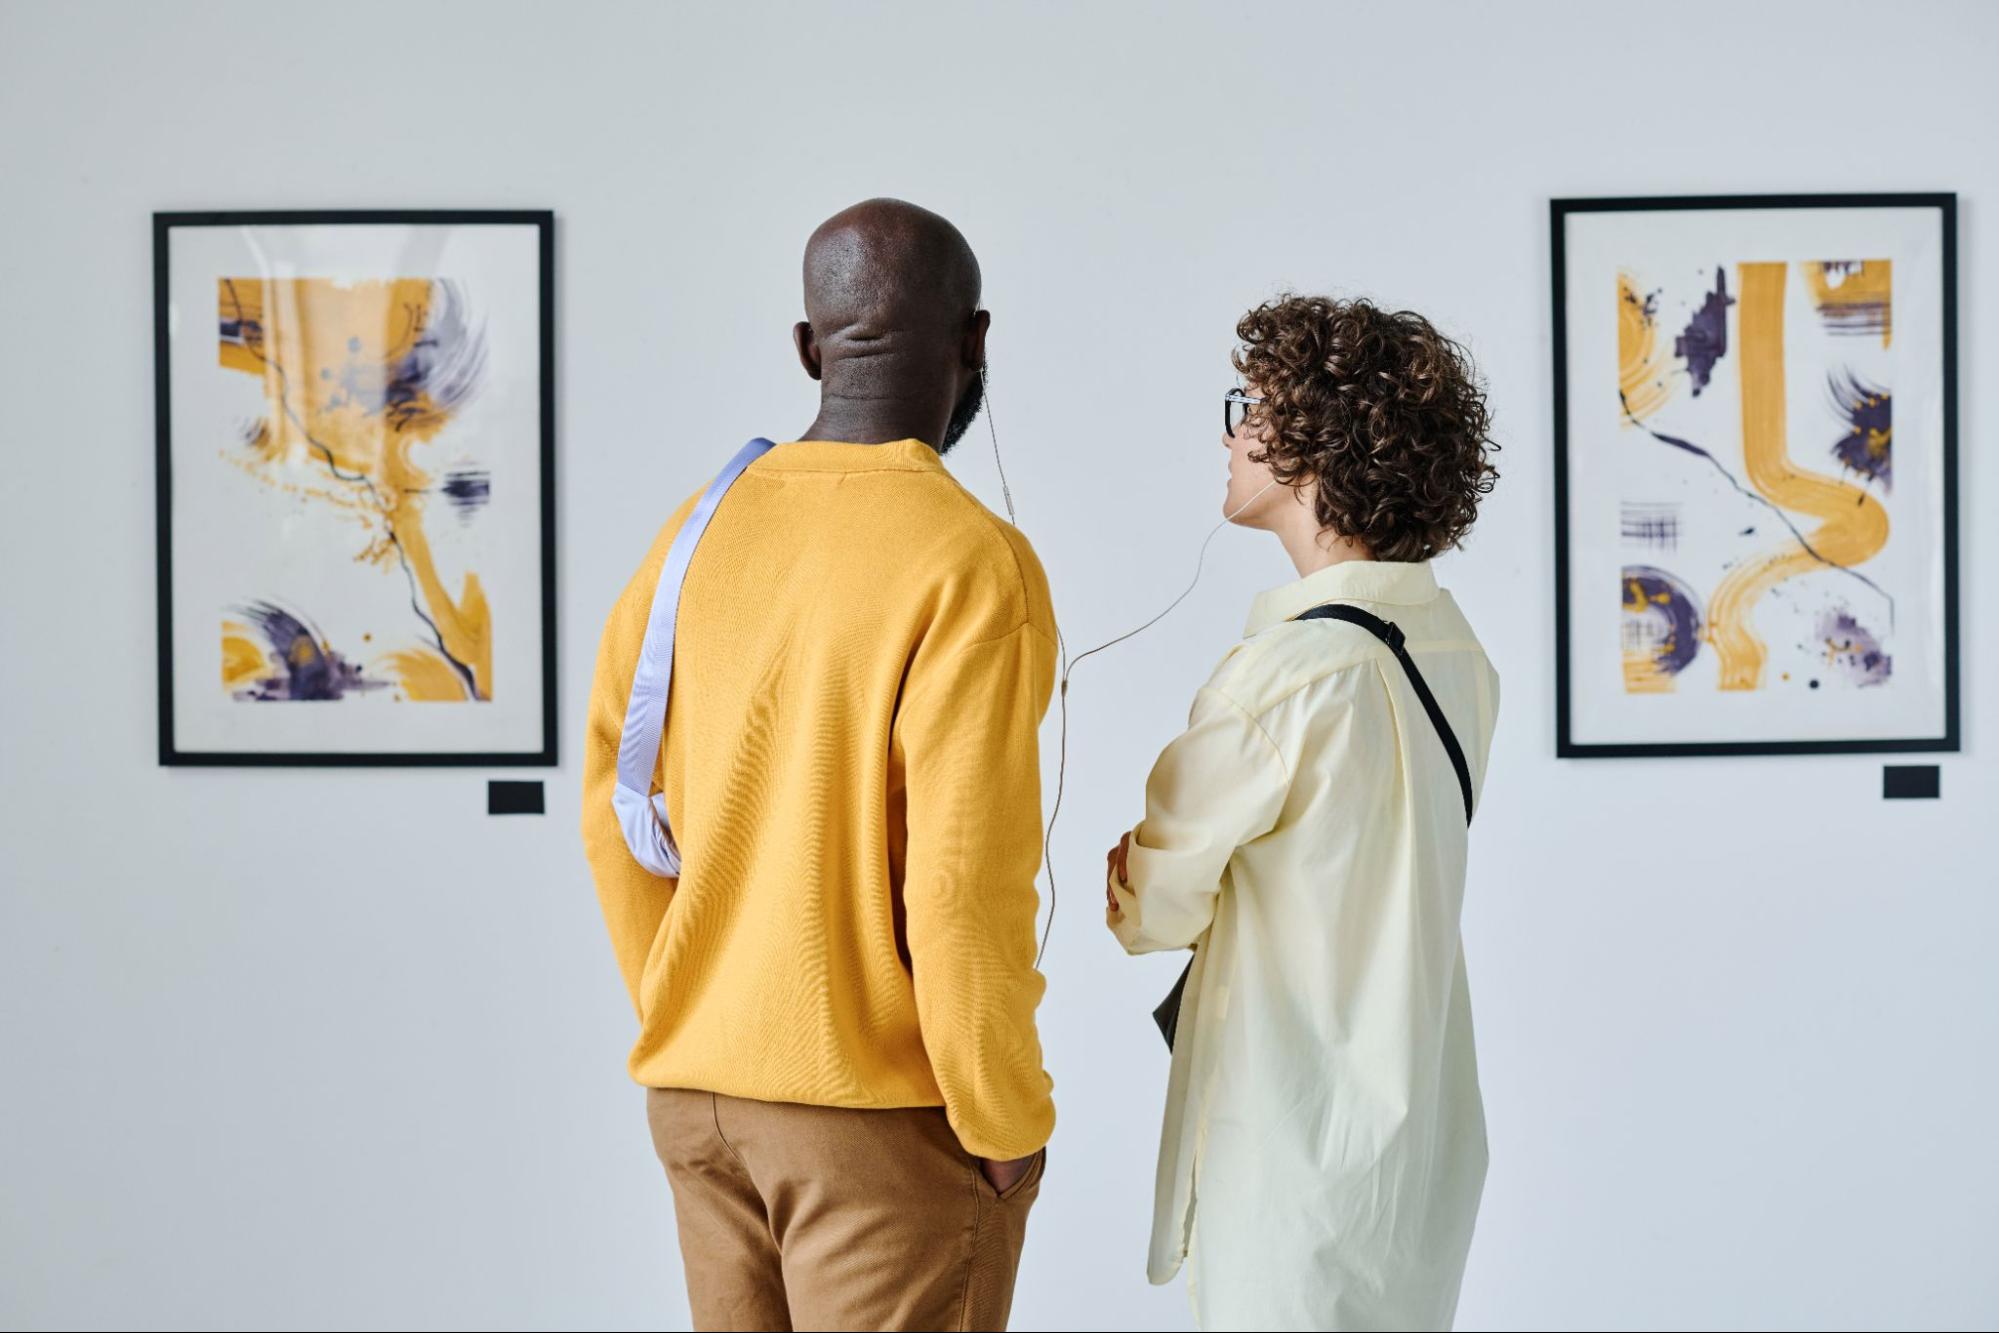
[1324, 1144]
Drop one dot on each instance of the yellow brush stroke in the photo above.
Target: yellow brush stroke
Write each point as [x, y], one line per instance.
[426, 677]
[1641, 369]
[1854, 526]
[1868, 285]
[1643, 676]
[300, 335]
[319, 494]
[243, 659]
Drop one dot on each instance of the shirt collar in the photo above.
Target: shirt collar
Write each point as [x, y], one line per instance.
[835, 456]
[1393, 583]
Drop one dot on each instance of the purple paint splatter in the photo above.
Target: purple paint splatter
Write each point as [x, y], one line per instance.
[1653, 525]
[439, 372]
[1705, 339]
[1852, 650]
[1868, 445]
[311, 670]
[1846, 314]
[445, 362]
[1661, 617]
[468, 489]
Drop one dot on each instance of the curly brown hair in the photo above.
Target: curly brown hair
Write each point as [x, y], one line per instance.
[1384, 414]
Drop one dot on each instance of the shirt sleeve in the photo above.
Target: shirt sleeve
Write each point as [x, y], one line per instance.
[634, 900]
[966, 739]
[1220, 784]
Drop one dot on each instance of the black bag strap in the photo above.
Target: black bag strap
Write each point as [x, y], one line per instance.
[1167, 1015]
[1391, 634]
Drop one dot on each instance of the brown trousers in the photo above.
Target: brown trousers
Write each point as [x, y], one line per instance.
[820, 1217]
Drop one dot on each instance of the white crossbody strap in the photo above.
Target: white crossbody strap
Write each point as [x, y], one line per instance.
[641, 814]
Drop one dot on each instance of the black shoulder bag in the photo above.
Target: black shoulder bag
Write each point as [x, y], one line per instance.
[1167, 1015]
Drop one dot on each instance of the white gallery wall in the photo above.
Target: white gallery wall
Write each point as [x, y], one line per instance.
[330, 1049]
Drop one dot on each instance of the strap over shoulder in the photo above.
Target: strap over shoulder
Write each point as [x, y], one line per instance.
[1167, 1015]
[1391, 634]
[641, 813]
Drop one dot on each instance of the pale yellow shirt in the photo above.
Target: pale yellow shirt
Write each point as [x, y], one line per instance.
[1324, 1144]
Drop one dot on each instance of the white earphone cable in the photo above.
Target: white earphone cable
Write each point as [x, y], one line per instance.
[1068, 667]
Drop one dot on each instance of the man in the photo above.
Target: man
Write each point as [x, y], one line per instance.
[836, 997]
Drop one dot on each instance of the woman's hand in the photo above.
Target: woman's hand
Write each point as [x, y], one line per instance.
[1117, 861]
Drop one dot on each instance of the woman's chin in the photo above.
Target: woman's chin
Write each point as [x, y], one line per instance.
[1233, 509]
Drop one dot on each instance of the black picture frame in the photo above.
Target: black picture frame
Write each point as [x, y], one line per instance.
[1559, 211]
[170, 752]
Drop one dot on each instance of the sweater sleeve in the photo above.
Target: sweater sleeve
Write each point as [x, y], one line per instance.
[634, 899]
[1218, 785]
[966, 737]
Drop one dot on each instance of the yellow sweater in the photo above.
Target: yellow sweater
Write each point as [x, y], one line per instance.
[863, 659]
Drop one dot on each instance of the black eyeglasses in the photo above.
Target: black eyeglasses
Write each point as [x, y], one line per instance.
[1235, 409]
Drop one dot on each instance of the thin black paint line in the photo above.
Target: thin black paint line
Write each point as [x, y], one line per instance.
[1692, 448]
[402, 559]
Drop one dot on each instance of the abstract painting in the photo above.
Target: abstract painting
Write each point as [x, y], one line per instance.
[1755, 474]
[355, 471]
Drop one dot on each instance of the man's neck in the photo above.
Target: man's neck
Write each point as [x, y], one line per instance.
[878, 420]
[845, 430]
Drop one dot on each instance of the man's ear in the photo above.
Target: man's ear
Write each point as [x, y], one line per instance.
[975, 339]
[808, 347]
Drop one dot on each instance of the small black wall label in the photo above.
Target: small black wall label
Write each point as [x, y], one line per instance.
[513, 798]
[1910, 782]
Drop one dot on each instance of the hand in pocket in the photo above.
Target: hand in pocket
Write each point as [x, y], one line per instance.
[1003, 1176]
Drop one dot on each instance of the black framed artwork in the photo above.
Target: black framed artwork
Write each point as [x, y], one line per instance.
[1755, 474]
[356, 487]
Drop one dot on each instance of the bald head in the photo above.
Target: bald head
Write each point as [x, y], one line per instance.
[892, 316]
[885, 268]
